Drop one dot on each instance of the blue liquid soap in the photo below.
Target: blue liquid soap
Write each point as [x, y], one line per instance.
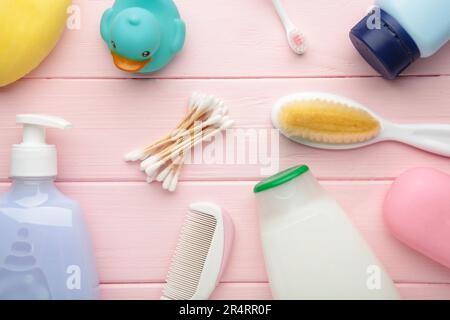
[45, 248]
[398, 32]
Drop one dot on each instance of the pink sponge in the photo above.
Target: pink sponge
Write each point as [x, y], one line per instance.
[417, 211]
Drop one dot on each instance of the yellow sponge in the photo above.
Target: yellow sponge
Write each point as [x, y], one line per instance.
[326, 121]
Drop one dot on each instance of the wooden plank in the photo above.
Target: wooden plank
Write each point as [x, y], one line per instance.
[234, 38]
[152, 291]
[136, 227]
[259, 291]
[112, 117]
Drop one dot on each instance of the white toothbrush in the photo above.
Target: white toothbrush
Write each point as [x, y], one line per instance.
[295, 38]
[201, 253]
[434, 138]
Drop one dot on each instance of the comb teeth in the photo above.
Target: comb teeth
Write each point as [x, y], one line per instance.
[190, 255]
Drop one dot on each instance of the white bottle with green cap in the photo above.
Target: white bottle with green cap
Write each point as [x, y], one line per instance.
[311, 248]
[45, 249]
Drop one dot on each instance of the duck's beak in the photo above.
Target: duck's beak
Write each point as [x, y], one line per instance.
[129, 65]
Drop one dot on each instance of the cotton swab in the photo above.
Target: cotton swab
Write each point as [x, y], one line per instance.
[170, 154]
[163, 160]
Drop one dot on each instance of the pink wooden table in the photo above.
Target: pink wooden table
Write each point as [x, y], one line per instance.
[236, 50]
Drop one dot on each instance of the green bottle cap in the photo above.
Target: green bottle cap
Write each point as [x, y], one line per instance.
[280, 178]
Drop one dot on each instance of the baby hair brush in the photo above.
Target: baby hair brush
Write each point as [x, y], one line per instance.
[201, 254]
[295, 38]
[326, 121]
[163, 160]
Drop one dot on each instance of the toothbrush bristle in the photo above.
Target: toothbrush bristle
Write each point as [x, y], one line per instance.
[297, 42]
[189, 259]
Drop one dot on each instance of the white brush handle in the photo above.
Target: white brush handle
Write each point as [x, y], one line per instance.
[283, 15]
[434, 138]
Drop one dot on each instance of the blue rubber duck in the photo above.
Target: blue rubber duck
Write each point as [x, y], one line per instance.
[143, 35]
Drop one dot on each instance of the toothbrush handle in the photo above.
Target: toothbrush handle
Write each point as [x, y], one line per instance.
[434, 138]
[283, 15]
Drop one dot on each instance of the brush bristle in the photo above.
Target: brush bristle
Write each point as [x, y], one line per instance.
[190, 256]
[326, 121]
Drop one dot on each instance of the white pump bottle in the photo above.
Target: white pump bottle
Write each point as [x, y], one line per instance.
[34, 157]
[45, 249]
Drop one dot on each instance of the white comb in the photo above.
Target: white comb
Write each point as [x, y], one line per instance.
[201, 254]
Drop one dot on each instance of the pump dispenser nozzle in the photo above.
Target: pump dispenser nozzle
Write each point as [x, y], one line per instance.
[34, 157]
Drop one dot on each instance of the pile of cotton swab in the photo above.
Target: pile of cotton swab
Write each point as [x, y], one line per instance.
[162, 161]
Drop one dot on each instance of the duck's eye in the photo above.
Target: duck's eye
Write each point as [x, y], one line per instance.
[145, 54]
[113, 44]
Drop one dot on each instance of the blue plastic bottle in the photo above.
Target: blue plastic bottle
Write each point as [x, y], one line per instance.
[398, 32]
[45, 249]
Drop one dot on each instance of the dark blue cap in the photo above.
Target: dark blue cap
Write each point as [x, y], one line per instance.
[385, 45]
